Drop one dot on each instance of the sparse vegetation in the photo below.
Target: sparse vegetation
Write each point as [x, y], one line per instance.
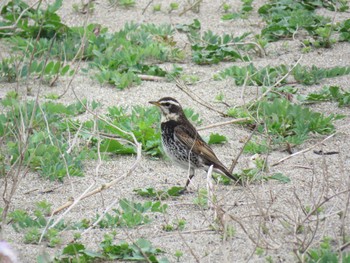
[293, 204]
[268, 76]
[141, 250]
[211, 48]
[33, 225]
[131, 214]
[325, 253]
[286, 123]
[286, 18]
[47, 145]
[243, 12]
[329, 93]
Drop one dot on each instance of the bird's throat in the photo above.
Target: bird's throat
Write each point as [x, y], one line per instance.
[170, 117]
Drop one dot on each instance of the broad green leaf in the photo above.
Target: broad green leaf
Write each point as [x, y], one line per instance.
[64, 70]
[56, 68]
[49, 66]
[216, 138]
[73, 249]
[280, 177]
[109, 145]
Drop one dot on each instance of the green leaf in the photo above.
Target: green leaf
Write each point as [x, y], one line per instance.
[44, 257]
[148, 192]
[331, 93]
[159, 207]
[222, 179]
[52, 96]
[55, 6]
[39, 68]
[254, 147]
[279, 177]
[113, 146]
[49, 67]
[64, 70]
[231, 16]
[216, 138]
[163, 260]
[73, 249]
[56, 67]
[175, 191]
[161, 194]
[250, 75]
[144, 244]
[93, 254]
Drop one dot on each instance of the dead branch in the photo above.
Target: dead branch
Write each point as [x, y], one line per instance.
[303, 151]
[218, 124]
[74, 202]
[182, 86]
[149, 3]
[190, 7]
[104, 186]
[80, 51]
[134, 142]
[235, 161]
[189, 248]
[279, 81]
[191, 232]
[251, 237]
[151, 78]
[261, 50]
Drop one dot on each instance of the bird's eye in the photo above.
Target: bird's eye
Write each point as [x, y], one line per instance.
[167, 104]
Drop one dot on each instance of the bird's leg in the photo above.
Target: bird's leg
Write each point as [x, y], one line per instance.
[190, 176]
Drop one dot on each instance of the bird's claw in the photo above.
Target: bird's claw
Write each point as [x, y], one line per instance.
[183, 191]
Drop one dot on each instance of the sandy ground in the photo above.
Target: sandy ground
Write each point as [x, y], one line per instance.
[264, 214]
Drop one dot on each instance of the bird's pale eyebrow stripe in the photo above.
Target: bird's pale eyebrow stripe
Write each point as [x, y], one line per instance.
[170, 101]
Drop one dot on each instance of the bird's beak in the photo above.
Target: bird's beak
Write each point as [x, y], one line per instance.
[155, 103]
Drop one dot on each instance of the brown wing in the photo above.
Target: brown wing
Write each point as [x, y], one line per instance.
[193, 141]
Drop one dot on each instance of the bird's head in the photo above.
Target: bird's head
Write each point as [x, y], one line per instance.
[170, 108]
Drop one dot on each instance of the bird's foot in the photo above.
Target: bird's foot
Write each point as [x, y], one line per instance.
[183, 191]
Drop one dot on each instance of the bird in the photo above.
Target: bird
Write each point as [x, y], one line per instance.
[7, 254]
[183, 144]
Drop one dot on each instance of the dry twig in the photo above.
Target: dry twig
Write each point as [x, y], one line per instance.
[278, 82]
[218, 124]
[235, 161]
[134, 142]
[303, 151]
[151, 78]
[182, 86]
[149, 3]
[104, 186]
[195, 4]
[261, 50]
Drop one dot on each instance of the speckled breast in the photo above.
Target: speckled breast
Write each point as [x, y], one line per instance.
[175, 149]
